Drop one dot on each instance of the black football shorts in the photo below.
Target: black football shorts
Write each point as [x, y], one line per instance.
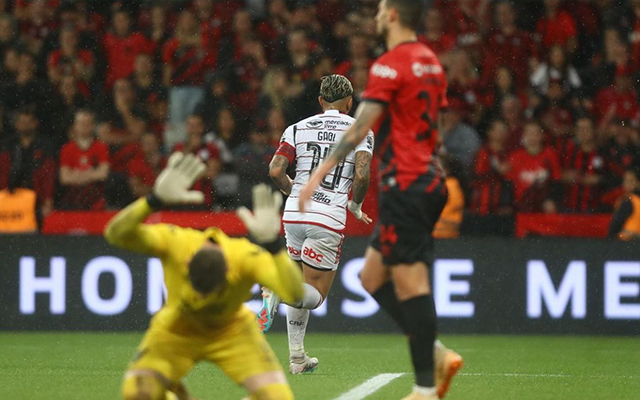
[406, 220]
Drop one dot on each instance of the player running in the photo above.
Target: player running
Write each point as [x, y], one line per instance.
[408, 85]
[208, 278]
[314, 238]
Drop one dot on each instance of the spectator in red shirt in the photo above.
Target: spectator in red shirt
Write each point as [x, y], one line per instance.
[158, 32]
[122, 120]
[435, 36]
[618, 101]
[207, 152]
[67, 101]
[143, 171]
[464, 84]
[121, 46]
[492, 193]
[26, 162]
[69, 60]
[359, 56]
[534, 171]
[621, 152]
[511, 46]
[557, 27]
[583, 172]
[557, 120]
[84, 166]
[187, 59]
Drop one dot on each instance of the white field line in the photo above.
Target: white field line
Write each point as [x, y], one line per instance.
[370, 386]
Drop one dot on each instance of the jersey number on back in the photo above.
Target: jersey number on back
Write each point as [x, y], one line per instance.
[425, 135]
[319, 155]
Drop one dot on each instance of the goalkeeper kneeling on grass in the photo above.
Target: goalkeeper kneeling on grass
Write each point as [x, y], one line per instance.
[208, 278]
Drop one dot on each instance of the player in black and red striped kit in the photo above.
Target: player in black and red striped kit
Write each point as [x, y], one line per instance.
[406, 90]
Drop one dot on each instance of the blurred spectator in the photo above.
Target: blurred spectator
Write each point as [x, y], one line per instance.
[448, 226]
[306, 103]
[27, 90]
[215, 99]
[69, 60]
[359, 79]
[359, 56]
[491, 192]
[583, 171]
[252, 163]
[143, 79]
[231, 48]
[248, 71]
[8, 36]
[66, 101]
[122, 119]
[625, 224]
[435, 36]
[275, 25]
[158, 109]
[121, 46]
[27, 162]
[10, 65]
[144, 170]
[226, 133]
[464, 85]
[534, 171]
[460, 140]
[634, 35]
[206, 151]
[298, 56]
[39, 23]
[511, 114]
[158, 32]
[622, 149]
[84, 166]
[187, 58]
[503, 86]
[557, 27]
[555, 70]
[618, 101]
[512, 47]
[121, 124]
[276, 125]
[466, 20]
[277, 90]
[557, 119]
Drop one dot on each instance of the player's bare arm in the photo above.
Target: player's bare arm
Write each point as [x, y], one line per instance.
[278, 173]
[360, 185]
[366, 116]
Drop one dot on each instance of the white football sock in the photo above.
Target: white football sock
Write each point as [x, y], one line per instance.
[297, 319]
[311, 299]
[425, 391]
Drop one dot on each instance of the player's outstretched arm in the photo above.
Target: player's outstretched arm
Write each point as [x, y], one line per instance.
[366, 116]
[274, 269]
[126, 230]
[278, 173]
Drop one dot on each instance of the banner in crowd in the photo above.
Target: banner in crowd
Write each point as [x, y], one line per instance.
[534, 286]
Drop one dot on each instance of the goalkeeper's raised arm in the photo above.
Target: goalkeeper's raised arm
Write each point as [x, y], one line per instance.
[126, 230]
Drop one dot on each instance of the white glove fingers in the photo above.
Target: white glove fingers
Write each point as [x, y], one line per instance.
[194, 169]
[245, 215]
[174, 159]
[277, 201]
[259, 198]
[194, 196]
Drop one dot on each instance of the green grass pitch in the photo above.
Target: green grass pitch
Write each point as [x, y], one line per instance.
[71, 366]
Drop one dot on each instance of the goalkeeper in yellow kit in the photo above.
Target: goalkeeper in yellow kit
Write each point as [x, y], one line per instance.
[208, 277]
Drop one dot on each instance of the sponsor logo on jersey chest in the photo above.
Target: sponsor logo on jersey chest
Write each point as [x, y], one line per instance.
[315, 124]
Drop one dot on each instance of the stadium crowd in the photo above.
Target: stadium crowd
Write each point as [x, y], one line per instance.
[543, 114]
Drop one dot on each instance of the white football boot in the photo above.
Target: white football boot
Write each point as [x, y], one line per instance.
[302, 365]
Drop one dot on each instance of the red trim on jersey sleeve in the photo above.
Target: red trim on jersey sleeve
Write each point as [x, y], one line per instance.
[286, 150]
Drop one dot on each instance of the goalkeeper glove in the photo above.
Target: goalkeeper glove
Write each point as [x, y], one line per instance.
[264, 223]
[173, 183]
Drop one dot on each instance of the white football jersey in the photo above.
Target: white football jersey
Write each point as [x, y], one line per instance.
[313, 139]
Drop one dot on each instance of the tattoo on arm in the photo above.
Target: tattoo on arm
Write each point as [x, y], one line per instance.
[362, 176]
[367, 114]
[278, 173]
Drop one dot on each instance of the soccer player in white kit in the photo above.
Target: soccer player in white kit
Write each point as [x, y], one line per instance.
[314, 238]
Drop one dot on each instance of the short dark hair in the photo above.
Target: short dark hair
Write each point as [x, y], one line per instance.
[409, 11]
[207, 270]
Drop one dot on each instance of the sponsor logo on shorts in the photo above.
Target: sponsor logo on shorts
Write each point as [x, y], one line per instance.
[293, 251]
[312, 254]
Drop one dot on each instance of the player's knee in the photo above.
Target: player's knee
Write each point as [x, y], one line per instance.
[274, 391]
[142, 387]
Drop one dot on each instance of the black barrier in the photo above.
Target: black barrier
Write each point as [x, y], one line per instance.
[558, 286]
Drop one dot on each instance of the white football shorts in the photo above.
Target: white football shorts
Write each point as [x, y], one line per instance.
[314, 245]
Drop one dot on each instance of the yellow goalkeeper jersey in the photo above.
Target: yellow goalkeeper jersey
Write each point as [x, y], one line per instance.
[186, 310]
